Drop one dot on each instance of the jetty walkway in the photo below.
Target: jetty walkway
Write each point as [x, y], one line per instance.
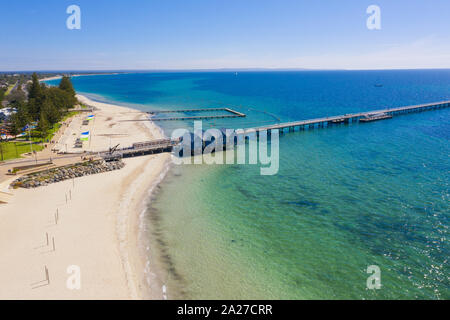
[166, 145]
[350, 118]
[232, 114]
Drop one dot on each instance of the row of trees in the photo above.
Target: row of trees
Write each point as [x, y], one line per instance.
[45, 105]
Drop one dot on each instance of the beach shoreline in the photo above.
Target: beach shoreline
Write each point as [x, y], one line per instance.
[99, 226]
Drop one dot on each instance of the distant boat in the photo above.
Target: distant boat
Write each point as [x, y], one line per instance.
[378, 85]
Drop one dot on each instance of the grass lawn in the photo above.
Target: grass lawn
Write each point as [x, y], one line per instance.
[13, 150]
[9, 89]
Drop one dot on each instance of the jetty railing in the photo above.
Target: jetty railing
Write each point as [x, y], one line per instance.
[234, 114]
[142, 148]
[347, 118]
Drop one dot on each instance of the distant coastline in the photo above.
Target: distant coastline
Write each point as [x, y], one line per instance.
[79, 75]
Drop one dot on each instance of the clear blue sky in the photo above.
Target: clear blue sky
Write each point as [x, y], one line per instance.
[185, 34]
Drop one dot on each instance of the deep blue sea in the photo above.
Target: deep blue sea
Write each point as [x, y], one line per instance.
[345, 197]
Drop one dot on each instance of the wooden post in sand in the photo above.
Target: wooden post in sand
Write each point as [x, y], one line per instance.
[44, 282]
[47, 275]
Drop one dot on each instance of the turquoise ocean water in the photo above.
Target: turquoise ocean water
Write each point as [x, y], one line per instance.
[344, 198]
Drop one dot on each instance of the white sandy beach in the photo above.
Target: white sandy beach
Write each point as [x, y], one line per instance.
[98, 225]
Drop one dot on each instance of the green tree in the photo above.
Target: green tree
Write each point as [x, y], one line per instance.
[20, 119]
[35, 90]
[50, 111]
[2, 95]
[60, 98]
[43, 126]
[36, 95]
[66, 85]
[16, 96]
[34, 107]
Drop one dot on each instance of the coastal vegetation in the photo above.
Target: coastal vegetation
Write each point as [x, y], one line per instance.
[34, 142]
[9, 79]
[38, 112]
[46, 106]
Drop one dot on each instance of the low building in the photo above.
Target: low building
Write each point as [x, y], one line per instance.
[7, 112]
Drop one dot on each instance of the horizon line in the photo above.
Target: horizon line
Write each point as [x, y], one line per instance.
[212, 70]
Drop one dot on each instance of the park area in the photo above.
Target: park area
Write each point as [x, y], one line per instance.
[13, 149]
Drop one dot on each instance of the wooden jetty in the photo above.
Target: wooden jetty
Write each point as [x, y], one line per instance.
[167, 145]
[233, 114]
[140, 149]
[335, 121]
[349, 118]
[193, 110]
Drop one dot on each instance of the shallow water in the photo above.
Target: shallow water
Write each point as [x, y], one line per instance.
[344, 198]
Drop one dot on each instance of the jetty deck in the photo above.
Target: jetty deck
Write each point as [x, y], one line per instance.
[349, 118]
[167, 145]
[233, 114]
[141, 148]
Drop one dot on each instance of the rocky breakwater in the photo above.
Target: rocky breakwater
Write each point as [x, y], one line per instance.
[46, 177]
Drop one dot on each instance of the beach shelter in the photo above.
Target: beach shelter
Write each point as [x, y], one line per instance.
[91, 117]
